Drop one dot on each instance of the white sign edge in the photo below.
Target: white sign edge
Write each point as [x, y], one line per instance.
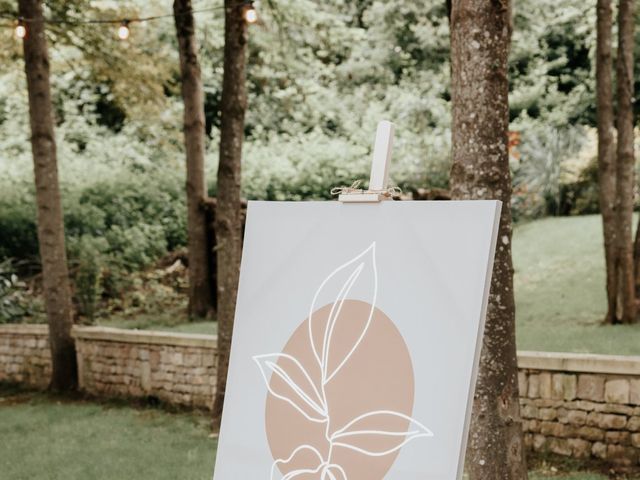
[479, 341]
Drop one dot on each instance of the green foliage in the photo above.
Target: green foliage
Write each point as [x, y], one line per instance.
[551, 69]
[320, 76]
[581, 197]
[138, 245]
[138, 217]
[540, 175]
[302, 167]
[14, 303]
[18, 227]
[88, 255]
[134, 205]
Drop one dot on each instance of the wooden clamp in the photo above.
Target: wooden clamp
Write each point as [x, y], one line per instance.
[382, 148]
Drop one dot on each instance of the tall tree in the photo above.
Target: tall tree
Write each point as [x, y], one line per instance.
[228, 222]
[200, 289]
[625, 164]
[480, 40]
[55, 274]
[606, 152]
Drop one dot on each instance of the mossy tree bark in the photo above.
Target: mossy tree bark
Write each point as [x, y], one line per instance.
[616, 162]
[625, 165]
[228, 223]
[480, 39]
[55, 274]
[606, 151]
[200, 288]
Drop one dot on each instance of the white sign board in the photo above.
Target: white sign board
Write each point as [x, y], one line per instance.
[356, 340]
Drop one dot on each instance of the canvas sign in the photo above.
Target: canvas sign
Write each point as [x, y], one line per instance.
[356, 340]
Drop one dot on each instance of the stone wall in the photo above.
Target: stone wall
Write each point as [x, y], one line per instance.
[24, 355]
[585, 406]
[176, 368]
[581, 405]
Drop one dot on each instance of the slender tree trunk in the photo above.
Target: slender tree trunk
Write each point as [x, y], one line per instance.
[228, 211]
[606, 152]
[636, 263]
[626, 162]
[57, 292]
[200, 290]
[480, 38]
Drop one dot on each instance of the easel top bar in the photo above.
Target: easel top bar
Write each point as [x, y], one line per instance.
[382, 149]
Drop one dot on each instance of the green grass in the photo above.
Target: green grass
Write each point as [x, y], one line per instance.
[560, 289]
[47, 438]
[151, 322]
[50, 440]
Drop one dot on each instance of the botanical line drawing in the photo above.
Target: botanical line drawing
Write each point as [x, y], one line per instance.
[288, 380]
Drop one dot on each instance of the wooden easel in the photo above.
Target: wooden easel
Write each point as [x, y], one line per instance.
[382, 147]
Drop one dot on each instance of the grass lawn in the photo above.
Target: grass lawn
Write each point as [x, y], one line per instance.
[560, 289]
[44, 438]
[152, 322]
[47, 439]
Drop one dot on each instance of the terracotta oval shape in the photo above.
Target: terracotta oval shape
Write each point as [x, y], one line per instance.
[377, 376]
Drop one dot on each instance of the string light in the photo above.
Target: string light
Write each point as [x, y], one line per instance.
[20, 30]
[123, 30]
[250, 13]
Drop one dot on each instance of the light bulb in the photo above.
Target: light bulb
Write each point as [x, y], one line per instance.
[20, 30]
[123, 31]
[250, 14]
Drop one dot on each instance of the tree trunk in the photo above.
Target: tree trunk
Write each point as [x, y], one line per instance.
[228, 211]
[626, 162]
[200, 289]
[55, 275]
[606, 152]
[636, 262]
[480, 38]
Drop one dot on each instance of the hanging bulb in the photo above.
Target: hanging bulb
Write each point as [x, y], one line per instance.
[250, 13]
[123, 30]
[21, 29]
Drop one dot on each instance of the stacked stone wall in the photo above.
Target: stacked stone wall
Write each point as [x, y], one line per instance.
[179, 369]
[584, 406]
[24, 355]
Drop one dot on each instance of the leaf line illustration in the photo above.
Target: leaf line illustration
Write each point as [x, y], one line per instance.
[333, 316]
[319, 407]
[293, 454]
[322, 358]
[297, 387]
[344, 430]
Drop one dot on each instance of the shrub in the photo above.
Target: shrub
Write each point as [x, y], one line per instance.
[136, 246]
[581, 196]
[18, 226]
[88, 261]
[14, 304]
[142, 198]
[541, 175]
